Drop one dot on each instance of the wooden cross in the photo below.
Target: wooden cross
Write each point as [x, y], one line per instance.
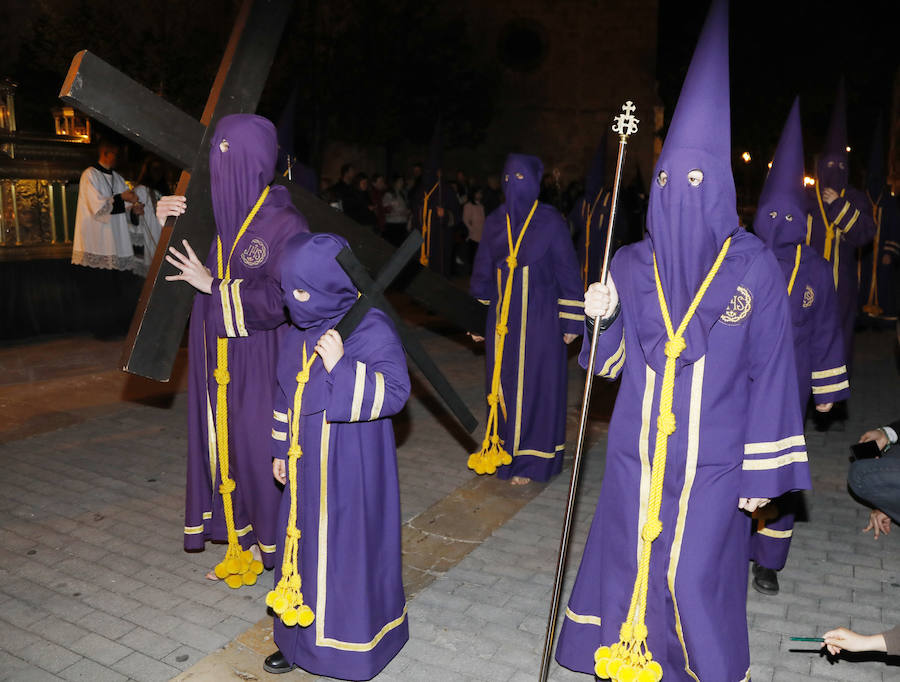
[372, 294]
[109, 96]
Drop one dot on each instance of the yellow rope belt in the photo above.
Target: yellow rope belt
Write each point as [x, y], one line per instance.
[830, 231]
[871, 307]
[238, 567]
[492, 454]
[587, 235]
[286, 600]
[794, 271]
[425, 255]
[629, 659]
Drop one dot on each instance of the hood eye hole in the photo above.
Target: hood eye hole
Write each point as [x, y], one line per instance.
[301, 295]
[662, 178]
[789, 218]
[506, 178]
[773, 214]
[519, 176]
[830, 164]
[841, 165]
[224, 145]
[695, 177]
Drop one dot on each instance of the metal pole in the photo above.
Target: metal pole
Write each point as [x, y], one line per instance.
[52, 206]
[65, 212]
[15, 208]
[625, 125]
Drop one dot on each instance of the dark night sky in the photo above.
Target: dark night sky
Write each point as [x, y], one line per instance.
[779, 49]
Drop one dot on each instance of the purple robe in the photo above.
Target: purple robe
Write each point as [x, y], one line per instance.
[851, 217]
[879, 260]
[739, 434]
[348, 490]
[738, 431]
[818, 341]
[590, 241]
[247, 309]
[546, 303]
[441, 239]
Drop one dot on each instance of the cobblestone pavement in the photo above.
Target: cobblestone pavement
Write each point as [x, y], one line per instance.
[94, 585]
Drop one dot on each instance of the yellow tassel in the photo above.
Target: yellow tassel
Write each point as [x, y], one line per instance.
[629, 659]
[492, 454]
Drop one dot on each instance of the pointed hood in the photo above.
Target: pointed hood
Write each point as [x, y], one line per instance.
[691, 214]
[521, 187]
[309, 263]
[242, 155]
[875, 180]
[831, 169]
[780, 219]
[596, 175]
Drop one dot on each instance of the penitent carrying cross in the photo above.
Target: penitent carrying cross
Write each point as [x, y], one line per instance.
[124, 105]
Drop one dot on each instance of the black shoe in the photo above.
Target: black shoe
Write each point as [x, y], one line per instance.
[277, 664]
[765, 580]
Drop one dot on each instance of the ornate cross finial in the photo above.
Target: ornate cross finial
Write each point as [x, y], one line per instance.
[626, 123]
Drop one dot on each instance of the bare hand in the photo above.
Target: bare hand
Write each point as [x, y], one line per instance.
[843, 639]
[878, 522]
[824, 407]
[330, 348]
[751, 504]
[599, 300]
[829, 195]
[129, 195]
[475, 337]
[278, 471]
[879, 436]
[191, 269]
[886, 259]
[172, 205]
[569, 338]
[440, 211]
[137, 208]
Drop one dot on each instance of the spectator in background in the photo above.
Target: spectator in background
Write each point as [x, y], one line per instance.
[376, 197]
[416, 180]
[473, 217]
[493, 197]
[102, 239]
[342, 190]
[358, 205]
[150, 187]
[396, 210]
[844, 639]
[877, 481]
[462, 187]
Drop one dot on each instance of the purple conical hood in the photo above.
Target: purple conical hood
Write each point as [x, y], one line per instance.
[780, 219]
[831, 169]
[521, 187]
[242, 156]
[875, 179]
[688, 222]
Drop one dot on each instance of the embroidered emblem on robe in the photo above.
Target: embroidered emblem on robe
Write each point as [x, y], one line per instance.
[739, 307]
[809, 297]
[255, 254]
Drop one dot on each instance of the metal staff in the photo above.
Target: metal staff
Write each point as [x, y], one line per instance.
[625, 125]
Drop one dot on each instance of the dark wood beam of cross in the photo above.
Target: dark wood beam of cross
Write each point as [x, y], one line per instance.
[111, 97]
[372, 294]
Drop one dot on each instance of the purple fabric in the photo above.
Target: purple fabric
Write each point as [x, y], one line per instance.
[739, 431]
[351, 535]
[850, 214]
[688, 224]
[546, 283]
[878, 262]
[239, 174]
[741, 391]
[781, 208]
[590, 240]
[251, 358]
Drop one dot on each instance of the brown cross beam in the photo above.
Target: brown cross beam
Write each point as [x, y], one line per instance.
[106, 94]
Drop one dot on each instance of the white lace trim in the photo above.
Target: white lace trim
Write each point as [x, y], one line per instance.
[96, 260]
